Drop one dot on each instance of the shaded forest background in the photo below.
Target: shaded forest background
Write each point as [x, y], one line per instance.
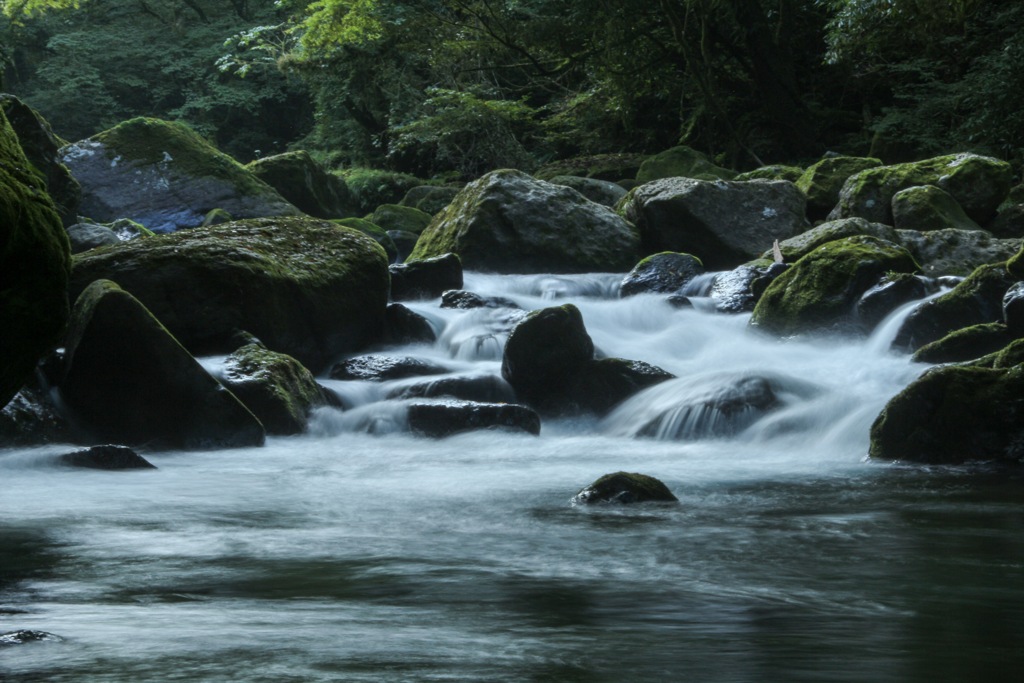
[453, 88]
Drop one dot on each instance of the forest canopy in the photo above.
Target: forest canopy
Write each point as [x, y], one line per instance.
[457, 87]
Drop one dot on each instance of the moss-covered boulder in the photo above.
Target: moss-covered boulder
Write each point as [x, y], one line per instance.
[278, 390]
[379, 234]
[301, 180]
[956, 252]
[164, 176]
[304, 286]
[772, 172]
[439, 419]
[430, 199]
[795, 248]
[132, 383]
[397, 217]
[509, 222]
[966, 344]
[41, 146]
[822, 181]
[612, 167]
[819, 293]
[926, 207]
[664, 273]
[722, 223]
[681, 162]
[624, 488]
[602, 192]
[372, 187]
[954, 415]
[979, 184]
[977, 299]
[34, 267]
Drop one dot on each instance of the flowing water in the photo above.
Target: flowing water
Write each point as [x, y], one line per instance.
[360, 552]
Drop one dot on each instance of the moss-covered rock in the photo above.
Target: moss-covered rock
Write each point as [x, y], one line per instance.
[304, 286]
[822, 181]
[956, 252]
[977, 299]
[127, 229]
[773, 172]
[603, 192]
[623, 488]
[1015, 266]
[301, 180]
[509, 222]
[722, 223]
[979, 184]
[397, 217]
[820, 291]
[132, 383]
[966, 344]
[372, 187]
[664, 273]
[953, 415]
[430, 199]
[926, 207]
[373, 230]
[612, 167]
[681, 162]
[34, 267]
[795, 248]
[165, 176]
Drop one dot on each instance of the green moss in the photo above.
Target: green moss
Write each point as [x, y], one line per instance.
[795, 248]
[274, 386]
[966, 344]
[372, 187]
[822, 181]
[397, 217]
[776, 172]
[373, 230]
[216, 217]
[612, 167]
[683, 162]
[1015, 266]
[926, 207]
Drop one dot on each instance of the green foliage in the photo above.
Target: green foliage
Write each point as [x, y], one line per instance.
[17, 10]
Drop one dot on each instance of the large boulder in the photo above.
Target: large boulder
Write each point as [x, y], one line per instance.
[395, 217]
[603, 192]
[795, 248]
[509, 222]
[956, 252]
[34, 264]
[301, 180]
[926, 207]
[132, 383]
[953, 415]
[979, 184]
[681, 162]
[164, 176]
[820, 292]
[431, 199]
[821, 182]
[722, 223]
[303, 286]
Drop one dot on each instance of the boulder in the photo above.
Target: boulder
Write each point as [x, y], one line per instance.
[463, 300]
[32, 417]
[822, 181]
[1009, 223]
[978, 299]
[1013, 309]
[402, 326]
[164, 176]
[926, 207]
[965, 344]
[509, 222]
[722, 223]
[820, 291]
[86, 236]
[624, 488]
[34, 265]
[439, 419]
[106, 458]
[306, 184]
[132, 383]
[977, 183]
[602, 192]
[304, 286]
[738, 290]
[379, 235]
[795, 248]
[613, 167]
[405, 243]
[384, 368]
[953, 415]
[479, 388]
[392, 217]
[891, 292]
[664, 273]
[772, 172]
[681, 162]
[278, 390]
[426, 278]
[431, 199]
[956, 252]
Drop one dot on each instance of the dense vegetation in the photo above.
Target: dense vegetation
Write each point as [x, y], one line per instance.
[457, 87]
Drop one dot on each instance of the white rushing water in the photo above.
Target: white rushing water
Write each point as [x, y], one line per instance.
[361, 552]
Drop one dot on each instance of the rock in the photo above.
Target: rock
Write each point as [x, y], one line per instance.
[373, 187]
[86, 236]
[722, 223]
[611, 167]
[1015, 266]
[34, 266]
[966, 344]
[681, 162]
[891, 292]
[32, 417]
[955, 252]
[679, 301]
[402, 326]
[127, 229]
[1009, 223]
[819, 293]
[1013, 309]
[26, 636]
[953, 415]
[384, 368]
[773, 172]
[600, 385]
[795, 248]
[431, 199]
[664, 273]
[463, 300]
[479, 388]
[216, 217]
[623, 488]
[306, 184]
[106, 458]
[722, 409]
[164, 176]
[405, 243]
[379, 235]
[978, 299]
[602, 192]
[133, 383]
[977, 183]
[41, 146]
[822, 181]
[304, 286]
[926, 207]
[510, 223]
[393, 217]
[278, 390]
[425, 278]
[738, 290]
[441, 419]
[1010, 356]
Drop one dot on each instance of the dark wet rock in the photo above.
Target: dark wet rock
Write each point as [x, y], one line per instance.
[384, 368]
[795, 248]
[966, 344]
[431, 199]
[27, 636]
[623, 488]
[602, 384]
[426, 278]
[894, 290]
[722, 223]
[1013, 309]
[402, 326]
[1009, 223]
[955, 252]
[132, 383]
[106, 458]
[480, 388]
[822, 181]
[404, 241]
[86, 236]
[601, 192]
[461, 299]
[305, 183]
[304, 286]
[681, 162]
[723, 410]
[664, 273]
[738, 290]
[953, 415]
[445, 418]
[32, 417]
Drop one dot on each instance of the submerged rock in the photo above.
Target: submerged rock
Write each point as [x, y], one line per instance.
[384, 368]
[106, 458]
[28, 636]
[463, 300]
[440, 419]
[479, 388]
[624, 488]
[713, 411]
[403, 326]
